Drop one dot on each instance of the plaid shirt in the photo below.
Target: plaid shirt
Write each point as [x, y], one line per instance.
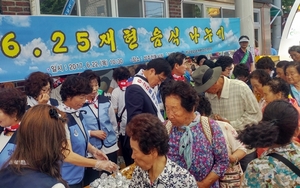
[236, 103]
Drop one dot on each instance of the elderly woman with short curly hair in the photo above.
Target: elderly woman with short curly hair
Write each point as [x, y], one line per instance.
[192, 145]
[12, 109]
[149, 143]
[38, 86]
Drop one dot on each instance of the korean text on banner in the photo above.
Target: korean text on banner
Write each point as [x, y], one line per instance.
[62, 45]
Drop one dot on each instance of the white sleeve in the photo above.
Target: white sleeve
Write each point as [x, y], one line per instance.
[67, 132]
[55, 94]
[113, 84]
[58, 185]
[114, 99]
[233, 142]
[113, 120]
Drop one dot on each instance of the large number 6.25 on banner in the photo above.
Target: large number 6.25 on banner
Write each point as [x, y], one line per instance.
[63, 45]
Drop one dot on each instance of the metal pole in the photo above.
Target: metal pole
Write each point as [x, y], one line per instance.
[276, 27]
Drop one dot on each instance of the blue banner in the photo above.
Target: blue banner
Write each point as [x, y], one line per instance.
[63, 45]
[68, 7]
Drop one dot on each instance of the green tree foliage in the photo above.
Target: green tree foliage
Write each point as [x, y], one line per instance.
[287, 5]
[52, 6]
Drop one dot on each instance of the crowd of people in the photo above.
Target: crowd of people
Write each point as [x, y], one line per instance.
[183, 121]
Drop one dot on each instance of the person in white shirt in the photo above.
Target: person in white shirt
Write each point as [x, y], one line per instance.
[118, 99]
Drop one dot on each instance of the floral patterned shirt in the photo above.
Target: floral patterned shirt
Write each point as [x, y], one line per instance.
[172, 176]
[206, 157]
[267, 171]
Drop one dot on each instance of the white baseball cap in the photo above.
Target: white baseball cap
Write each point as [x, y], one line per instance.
[244, 39]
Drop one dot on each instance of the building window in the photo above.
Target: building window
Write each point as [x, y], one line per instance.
[130, 8]
[228, 13]
[105, 8]
[256, 16]
[142, 8]
[199, 10]
[154, 9]
[95, 8]
[87, 7]
[192, 10]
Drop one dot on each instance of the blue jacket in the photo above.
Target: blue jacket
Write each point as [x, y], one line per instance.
[137, 101]
[28, 179]
[71, 173]
[101, 123]
[8, 150]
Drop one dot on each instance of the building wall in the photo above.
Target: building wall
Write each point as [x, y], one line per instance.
[175, 8]
[15, 7]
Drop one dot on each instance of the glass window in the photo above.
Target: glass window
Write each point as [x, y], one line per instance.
[87, 7]
[134, 8]
[213, 12]
[256, 16]
[95, 8]
[130, 8]
[228, 13]
[192, 10]
[154, 9]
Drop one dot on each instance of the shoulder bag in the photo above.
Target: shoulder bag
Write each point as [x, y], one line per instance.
[288, 163]
[233, 174]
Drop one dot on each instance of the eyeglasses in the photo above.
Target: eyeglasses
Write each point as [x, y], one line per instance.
[294, 55]
[46, 90]
[161, 79]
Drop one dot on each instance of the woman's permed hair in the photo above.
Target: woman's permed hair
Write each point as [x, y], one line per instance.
[187, 94]
[149, 132]
[90, 75]
[278, 126]
[262, 76]
[41, 141]
[224, 62]
[13, 102]
[294, 49]
[199, 58]
[265, 63]
[204, 106]
[292, 64]
[75, 86]
[282, 64]
[241, 70]
[35, 82]
[278, 85]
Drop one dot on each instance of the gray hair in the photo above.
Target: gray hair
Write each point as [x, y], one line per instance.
[294, 49]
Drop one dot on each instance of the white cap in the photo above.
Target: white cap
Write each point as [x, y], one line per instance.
[244, 39]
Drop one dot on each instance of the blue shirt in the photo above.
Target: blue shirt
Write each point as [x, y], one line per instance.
[296, 94]
[273, 51]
